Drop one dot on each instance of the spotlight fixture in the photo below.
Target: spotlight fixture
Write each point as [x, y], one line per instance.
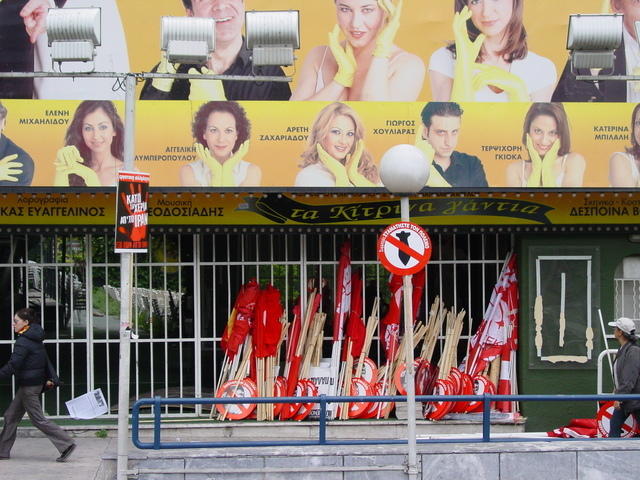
[593, 39]
[273, 36]
[188, 40]
[73, 33]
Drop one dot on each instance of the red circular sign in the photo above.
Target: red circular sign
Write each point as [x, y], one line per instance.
[404, 248]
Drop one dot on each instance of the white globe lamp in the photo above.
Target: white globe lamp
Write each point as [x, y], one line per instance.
[404, 169]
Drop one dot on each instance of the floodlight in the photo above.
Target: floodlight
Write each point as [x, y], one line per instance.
[188, 40]
[73, 33]
[273, 35]
[593, 39]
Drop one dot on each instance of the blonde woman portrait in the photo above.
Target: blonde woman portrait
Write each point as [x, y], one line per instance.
[549, 161]
[367, 64]
[335, 155]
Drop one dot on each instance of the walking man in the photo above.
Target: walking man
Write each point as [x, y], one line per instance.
[29, 363]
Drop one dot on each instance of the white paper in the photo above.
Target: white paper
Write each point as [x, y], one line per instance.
[90, 405]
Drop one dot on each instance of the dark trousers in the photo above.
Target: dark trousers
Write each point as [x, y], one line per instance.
[27, 400]
[617, 420]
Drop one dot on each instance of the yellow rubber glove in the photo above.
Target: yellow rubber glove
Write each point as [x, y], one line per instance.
[435, 178]
[10, 169]
[535, 177]
[205, 89]
[606, 6]
[68, 161]
[549, 166]
[384, 40]
[345, 59]
[214, 165]
[334, 166]
[164, 84]
[466, 55]
[228, 179]
[353, 161]
[512, 84]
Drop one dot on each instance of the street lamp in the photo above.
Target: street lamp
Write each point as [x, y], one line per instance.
[404, 170]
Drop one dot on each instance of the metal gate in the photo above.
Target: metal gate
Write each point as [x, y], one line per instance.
[184, 289]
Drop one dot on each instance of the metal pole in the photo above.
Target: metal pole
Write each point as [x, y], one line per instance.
[126, 287]
[407, 288]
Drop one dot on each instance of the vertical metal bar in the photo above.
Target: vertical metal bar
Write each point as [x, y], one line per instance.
[157, 416]
[322, 424]
[197, 320]
[486, 418]
[88, 305]
[126, 262]
[412, 464]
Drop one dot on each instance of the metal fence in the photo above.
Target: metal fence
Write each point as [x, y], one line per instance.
[184, 289]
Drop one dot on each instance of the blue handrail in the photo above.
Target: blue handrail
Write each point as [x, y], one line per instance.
[323, 400]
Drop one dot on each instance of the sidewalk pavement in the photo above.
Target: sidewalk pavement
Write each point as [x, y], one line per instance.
[34, 458]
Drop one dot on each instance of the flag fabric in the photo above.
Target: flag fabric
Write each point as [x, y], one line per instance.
[239, 326]
[498, 332]
[577, 428]
[267, 327]
[390, 323]
[356, 329]
[343, 291]
[417, 282]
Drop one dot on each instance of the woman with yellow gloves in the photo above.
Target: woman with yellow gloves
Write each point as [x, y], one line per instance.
[367, 65]
[335, 154]
[624, 167]
[94, 147]
[550, 162]
[221, 131]
[489, 60]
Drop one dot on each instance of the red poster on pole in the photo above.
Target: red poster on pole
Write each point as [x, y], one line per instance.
[132, 218]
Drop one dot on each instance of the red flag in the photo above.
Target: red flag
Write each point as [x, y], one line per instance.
[267, 326]
[356, 329]
[343, 290]
[237, 330]
[390, 323]
[499, 327]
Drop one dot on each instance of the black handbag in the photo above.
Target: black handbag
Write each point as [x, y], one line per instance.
[53, 381]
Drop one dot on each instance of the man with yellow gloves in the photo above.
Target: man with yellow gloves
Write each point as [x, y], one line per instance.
[438, 138]
[16, 166]
[230, 57]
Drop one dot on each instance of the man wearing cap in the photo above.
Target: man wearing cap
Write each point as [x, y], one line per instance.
[626, 373]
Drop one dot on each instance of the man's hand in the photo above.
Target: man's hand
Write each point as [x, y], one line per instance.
[616, 405]
[164, 84]
[205, 89]
[34, 16]
[9, 169]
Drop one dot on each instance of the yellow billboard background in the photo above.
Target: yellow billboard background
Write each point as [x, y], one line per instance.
[425, 27]
[279, 131]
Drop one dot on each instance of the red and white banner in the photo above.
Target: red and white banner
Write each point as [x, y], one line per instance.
[497, 335]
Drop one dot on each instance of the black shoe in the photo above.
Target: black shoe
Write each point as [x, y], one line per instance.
[68, 451]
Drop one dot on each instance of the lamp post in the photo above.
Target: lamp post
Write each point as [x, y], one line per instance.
[404, 170]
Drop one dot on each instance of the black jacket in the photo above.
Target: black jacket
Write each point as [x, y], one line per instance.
[571, 90]
[627, 366]
[28, 362]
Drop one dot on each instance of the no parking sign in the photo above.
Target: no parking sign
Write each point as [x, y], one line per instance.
[404, 248]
